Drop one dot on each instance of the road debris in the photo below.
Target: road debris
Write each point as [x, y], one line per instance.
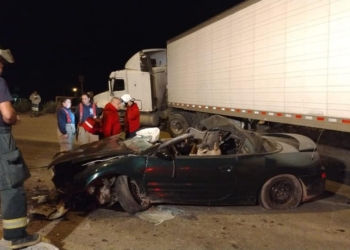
[40, 199]
[59, 212]
[159, 214]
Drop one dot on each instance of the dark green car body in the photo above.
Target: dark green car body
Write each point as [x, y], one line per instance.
[164, 175]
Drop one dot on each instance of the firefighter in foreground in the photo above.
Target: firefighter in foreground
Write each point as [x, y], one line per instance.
[13, 172]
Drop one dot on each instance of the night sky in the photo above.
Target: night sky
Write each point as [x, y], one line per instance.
[53, 42]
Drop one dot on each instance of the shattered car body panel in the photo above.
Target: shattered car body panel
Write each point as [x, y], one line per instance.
[108, 147]
[172, 171]
[75, 170]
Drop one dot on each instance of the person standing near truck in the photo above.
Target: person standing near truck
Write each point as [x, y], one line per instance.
[83, 111]
[110, 118]
[132, 116]
[13, 172]
[66, 125]
[35, 99]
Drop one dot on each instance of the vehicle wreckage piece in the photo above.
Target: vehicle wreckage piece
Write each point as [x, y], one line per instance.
[159, 214]
[105, 193]
[59, 212]
[40, 199]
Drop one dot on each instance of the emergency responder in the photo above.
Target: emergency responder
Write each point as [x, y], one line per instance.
[66, 125]
[110, 118]
[13, 172]
[83, 111]
[132, 116]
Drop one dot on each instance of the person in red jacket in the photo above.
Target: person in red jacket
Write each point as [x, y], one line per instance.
[110, 118]
[132, 116]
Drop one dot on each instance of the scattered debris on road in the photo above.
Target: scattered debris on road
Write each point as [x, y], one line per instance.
[159, 214]
[40, 199]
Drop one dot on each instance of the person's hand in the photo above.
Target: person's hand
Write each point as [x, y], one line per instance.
[65, 136]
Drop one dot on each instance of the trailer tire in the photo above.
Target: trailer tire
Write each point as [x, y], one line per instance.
[178, 124]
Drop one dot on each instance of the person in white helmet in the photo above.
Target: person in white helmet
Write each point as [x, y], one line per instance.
[132, 116]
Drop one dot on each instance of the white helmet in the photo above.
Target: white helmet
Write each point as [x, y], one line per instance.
[127, 98]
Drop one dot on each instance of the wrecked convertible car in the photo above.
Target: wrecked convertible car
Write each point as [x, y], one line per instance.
[223, 165]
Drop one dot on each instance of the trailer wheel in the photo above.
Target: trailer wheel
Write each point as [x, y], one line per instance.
[178, 125]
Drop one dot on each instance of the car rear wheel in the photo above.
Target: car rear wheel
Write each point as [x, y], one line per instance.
[128, 194]
[281, 192]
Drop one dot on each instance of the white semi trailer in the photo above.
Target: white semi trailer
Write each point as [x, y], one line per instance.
[284, 61]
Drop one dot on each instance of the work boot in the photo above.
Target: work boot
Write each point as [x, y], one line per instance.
[26, 241]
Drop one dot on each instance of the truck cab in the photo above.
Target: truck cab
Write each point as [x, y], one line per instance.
[144, 78]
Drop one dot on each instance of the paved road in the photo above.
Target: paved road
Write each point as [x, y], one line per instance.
[321, 224]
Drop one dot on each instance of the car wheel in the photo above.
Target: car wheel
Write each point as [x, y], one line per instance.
[281, 192]
[128, 194]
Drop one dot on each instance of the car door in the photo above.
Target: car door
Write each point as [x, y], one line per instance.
[170, 178]
[159, 182]
[251, 173]
[189, 178]
[205, 178]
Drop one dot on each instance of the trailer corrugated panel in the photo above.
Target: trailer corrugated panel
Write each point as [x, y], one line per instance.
[283, 56]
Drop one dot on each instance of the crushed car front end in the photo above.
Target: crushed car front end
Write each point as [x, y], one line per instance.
[93, 170]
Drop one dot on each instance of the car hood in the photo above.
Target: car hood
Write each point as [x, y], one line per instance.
[111, 146]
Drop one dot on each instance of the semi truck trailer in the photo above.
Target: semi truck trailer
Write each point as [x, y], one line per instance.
[281, 61]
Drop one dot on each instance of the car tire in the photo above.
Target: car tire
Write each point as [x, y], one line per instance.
[128, 195]
[281, 192]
